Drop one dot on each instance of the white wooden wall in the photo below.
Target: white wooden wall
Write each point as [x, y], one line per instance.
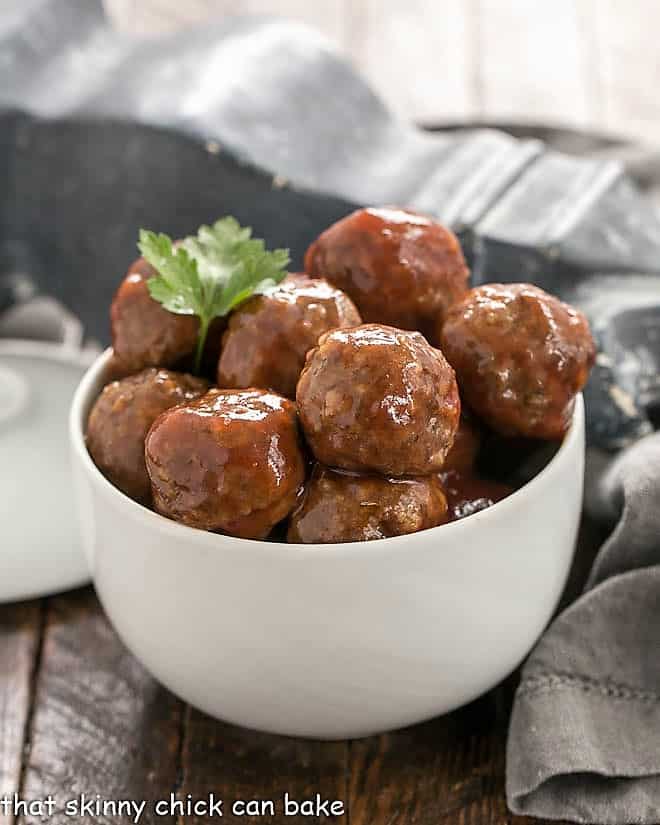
[585, 63]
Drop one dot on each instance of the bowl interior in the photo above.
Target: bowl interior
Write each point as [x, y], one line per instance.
[525, 469]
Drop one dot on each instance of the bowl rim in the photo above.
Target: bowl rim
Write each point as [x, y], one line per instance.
[219, 541]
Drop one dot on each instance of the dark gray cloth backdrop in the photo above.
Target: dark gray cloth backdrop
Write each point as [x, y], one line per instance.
[261, 119]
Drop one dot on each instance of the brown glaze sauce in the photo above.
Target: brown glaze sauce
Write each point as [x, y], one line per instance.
[466, 446]
[467, 493]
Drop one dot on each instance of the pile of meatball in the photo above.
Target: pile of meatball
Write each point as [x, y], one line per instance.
[348, 403]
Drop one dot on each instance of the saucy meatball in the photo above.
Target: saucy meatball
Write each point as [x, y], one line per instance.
[120, 420]
[269, 335]
[520, 356]
[339, 506]
[229, 461]
[399, 267]
[466, 445]
[467, 493]
[144, 334]
[375, 398]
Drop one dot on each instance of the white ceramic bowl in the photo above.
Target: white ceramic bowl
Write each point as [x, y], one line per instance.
[331, 641]
[40, 548]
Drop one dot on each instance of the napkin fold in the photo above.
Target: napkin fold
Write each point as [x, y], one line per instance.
[584, 737]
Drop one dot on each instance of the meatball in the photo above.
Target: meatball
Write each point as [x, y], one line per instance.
[466, 445]
[144, 334]
[269, 335]
[375, 398]
[399, 267]
[121, 417]
[467, 493]
[520, 356]
[339, 506]
[230, 461]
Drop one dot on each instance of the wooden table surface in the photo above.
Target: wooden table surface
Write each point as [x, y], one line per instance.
[78, 714]
[587, 64]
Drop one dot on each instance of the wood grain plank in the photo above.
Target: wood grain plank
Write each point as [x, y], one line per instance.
[588, 25]
[330, 17]
[531, 63]
[20, 633]
[154, 16]
[582, 63]
[418, 56]
[238, 764]
[448, 770]
[630, 60]
[101, 725]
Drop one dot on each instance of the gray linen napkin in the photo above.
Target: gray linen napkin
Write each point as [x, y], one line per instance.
[584, 738]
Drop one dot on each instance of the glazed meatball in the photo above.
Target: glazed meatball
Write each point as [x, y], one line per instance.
[375, 398]
[339, 506]
[144, 334]
[520, 356]
[466, 445]
[230, 461]
[399, 267]
[467, 493]
[121, 417]
[269, 335]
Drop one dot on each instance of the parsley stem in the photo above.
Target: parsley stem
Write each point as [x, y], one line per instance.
[201, 341]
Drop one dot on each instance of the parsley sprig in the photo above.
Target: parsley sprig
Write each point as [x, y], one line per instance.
[210, 274]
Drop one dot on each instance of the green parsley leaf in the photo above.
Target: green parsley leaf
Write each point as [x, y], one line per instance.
[210, 274]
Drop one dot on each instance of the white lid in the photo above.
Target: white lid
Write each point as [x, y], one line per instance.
[40, 546]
